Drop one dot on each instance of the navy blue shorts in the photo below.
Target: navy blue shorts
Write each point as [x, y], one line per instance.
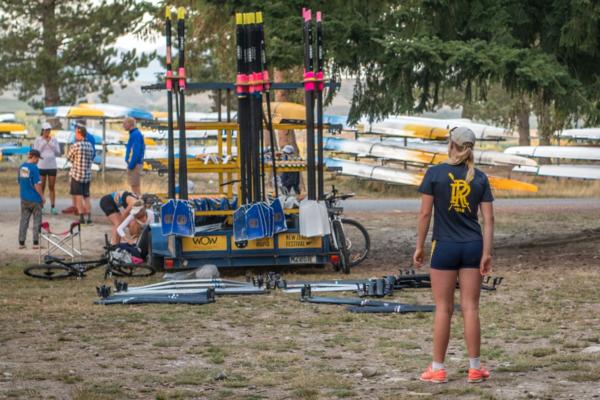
[456, 255]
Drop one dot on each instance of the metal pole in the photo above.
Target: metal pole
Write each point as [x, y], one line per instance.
[103, 149]
[228, 100]
[169, 87]
[183, 189]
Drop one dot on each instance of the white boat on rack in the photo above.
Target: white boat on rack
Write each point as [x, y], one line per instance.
[567, 152]
[563, 171]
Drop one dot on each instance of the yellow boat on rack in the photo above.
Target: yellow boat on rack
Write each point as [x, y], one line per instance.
[12, 128]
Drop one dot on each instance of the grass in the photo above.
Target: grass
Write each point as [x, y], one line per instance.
[56, 342]
[317, 356]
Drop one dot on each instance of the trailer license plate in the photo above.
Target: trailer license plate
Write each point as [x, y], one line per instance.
[303, 260]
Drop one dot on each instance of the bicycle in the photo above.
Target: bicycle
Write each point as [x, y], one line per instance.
[348, 236]
[117, 261]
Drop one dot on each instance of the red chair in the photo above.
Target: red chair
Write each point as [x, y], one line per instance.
[67, 242]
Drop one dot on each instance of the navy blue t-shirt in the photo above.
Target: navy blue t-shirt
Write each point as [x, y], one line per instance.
[29, 176]
[455, 201]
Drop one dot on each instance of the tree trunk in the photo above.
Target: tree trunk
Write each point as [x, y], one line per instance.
[544, 124]
[467, 111]
[523, 112]
[48, 62]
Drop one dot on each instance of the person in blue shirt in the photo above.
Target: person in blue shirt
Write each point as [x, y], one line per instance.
[134, 155]
[32, 198]
[90, 138]
[456, 190]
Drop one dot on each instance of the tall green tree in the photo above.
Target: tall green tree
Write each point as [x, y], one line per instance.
[348, 32]
[60, 50]
[349, 29]
[545, 51]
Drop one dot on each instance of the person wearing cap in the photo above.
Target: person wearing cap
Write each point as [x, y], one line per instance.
[455, 191]
[138, 217]
[290, 180]
[111, 204]
[32, 198]
[134, 155]
[88, 136]
[81, 156]
[80, 123]
[49, 150]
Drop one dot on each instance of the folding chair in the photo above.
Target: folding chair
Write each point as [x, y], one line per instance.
[67, 242]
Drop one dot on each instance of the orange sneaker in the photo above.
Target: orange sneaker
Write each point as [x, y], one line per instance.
[438, 376]
[477, 375]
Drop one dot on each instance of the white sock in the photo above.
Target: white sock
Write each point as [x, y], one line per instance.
[474, 363]
[437, 366]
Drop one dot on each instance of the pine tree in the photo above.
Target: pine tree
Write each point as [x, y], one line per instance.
[60, 50]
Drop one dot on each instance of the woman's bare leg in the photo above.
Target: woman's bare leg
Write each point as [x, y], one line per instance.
[43, 178]
[115, 220]
[470, 288]
[443, 284]
[51, 191]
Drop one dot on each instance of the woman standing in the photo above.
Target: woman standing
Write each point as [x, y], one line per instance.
[49, 150]
[456, 190]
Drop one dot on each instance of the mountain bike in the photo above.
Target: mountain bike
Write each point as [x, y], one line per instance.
[348, 236]
[118, 262]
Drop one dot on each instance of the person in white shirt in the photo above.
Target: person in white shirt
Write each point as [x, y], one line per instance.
[49, 150]
[139, 216]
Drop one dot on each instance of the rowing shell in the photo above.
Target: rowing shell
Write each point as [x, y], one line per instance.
[563, 171]
[393, 175]
[431, 128]
[580, 134]
[570, 152]
[423, 154]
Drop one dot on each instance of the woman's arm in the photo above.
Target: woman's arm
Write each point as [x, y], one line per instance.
[37, 144]
[422, 228]
[487, 211]
[124, 224]
[55, 146]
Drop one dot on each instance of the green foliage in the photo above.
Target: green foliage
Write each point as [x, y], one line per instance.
[545, 50]
[348, 29]
[60, 50]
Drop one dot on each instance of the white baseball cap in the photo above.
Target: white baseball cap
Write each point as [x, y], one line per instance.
[462, 135]
[46, 126]
[137, 207]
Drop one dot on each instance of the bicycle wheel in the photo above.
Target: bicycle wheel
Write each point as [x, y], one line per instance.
[48, 271]
[357, 241]
[133, 270]
[340, 238]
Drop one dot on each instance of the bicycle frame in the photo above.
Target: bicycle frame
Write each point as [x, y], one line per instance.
[71, 264]
[78, 267]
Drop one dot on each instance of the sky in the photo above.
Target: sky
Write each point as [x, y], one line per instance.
[147, 45]
[129, 42]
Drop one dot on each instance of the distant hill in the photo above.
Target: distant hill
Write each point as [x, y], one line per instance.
[10, 103]
[133, 96]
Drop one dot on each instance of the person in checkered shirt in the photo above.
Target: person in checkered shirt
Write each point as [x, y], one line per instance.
[81, 156]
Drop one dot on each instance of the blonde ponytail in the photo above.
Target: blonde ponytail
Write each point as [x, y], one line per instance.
[463, 154]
